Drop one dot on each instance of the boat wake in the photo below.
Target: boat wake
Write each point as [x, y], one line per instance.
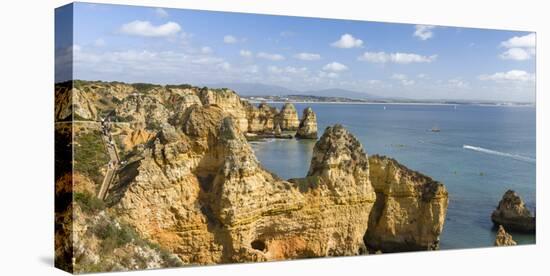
[494, 152]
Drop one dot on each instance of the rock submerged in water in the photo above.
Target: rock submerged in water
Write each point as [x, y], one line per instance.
[513, 215]
[288, 117]
[410, 208]
[308, 125]
[503, 238]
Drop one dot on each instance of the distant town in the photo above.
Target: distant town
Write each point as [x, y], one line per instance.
[323, 99]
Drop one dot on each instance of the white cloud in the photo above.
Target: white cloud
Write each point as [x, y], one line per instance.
[207, 60]
[423, 32]
[272, 57]
[347, 41]
[458, 83]
[288, 70]
[399, 77]
[160, 12]
[100, 42]
[146, 29]
[512, 75]
[516, 54]
[519, 47]
[252, 69]
[245, 53]
[229, 39]
[331, 75]
[400, 58]
[526, 41]
[403, 79]
[308, 56]
[335, 67]
[274, 69]
[206, 50]
[225, 66]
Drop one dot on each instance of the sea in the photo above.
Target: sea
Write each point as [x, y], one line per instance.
[479, 152]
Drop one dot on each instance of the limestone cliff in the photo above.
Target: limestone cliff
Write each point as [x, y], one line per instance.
[308, 125]
[503, 238]
[229, 101]
[512, 214]
[191, 186]
[230, 209]
[288, 117]
[410, 208]
[262, 118]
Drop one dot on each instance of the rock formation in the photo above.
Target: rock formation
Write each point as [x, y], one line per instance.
[232, 210]
[229, 102]
[288, 117]
[410, 208]
[308, 125]
[190, 186]
[261, 119]
[503, 238]
[513, 215]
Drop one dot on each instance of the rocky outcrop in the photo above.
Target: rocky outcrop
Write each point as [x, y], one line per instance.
[73, 104]
[410, 208]
[308, 125]
[503, 238]
[230, 209]
[288, 117]
[513, 215]
[261, 119]
[191, 185]
[229, 102]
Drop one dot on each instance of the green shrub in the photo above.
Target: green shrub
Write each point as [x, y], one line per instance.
[90, 155]
[182, 86]
[144, 87]
[89, 203]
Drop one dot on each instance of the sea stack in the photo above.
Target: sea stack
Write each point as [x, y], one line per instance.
[410, 208]
[288, 117]
[503, 238]
[308, 125]
[513, 215]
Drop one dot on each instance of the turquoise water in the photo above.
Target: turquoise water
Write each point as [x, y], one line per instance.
[480, 152]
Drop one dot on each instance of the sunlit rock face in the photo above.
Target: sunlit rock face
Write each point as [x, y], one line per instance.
[308, 125]
[410, 208]
[513, 214]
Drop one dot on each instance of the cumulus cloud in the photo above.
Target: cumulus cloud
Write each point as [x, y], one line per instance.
[331, 75]
[205, 50]
[308, 56]
[526, 41]
[347, 41]
[229, 39]
[519, 47]
[516, 54]
[423, 32]
[403, 79]
[287, 69]
[400, 58]
[272, 57]
[100, 42]
[335, 67]
[146, 29]
[245, 53]
[510, 76]
[458, 83]
[160, 12]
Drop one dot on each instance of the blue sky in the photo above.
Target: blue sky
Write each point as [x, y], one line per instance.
[144, 44]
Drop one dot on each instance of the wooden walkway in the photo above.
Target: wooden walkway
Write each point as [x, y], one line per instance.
[113, 166]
